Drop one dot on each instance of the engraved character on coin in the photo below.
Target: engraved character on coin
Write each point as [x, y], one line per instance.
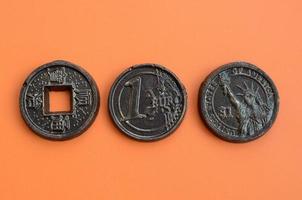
[147, 102]
[239, 102]
[59, 76]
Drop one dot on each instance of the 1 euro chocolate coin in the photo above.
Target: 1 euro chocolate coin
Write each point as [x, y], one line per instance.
[147, 102]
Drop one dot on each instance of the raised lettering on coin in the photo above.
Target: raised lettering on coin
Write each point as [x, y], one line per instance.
[239, 102]
[34, 100]
[147, 102]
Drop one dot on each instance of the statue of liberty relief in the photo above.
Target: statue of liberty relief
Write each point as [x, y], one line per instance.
[251, 112]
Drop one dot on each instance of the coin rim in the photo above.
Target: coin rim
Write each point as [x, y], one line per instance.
[129, 133]
[83, 127]
[202, 110]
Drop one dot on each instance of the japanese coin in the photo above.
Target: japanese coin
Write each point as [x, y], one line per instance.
[238, 102]
[147, 102]
[59, 76]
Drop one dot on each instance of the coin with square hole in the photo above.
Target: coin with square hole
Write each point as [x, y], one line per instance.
[147, 102]
[238, 102]
[67, 122]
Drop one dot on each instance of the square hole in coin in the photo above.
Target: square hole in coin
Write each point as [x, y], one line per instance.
[58, 99]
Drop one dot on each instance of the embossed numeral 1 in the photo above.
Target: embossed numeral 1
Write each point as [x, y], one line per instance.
[135, 93]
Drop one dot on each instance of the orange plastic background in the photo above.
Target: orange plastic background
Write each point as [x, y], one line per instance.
[191, 38]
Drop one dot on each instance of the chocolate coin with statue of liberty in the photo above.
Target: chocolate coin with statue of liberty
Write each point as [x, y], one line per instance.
[238, 102]
[147, 102]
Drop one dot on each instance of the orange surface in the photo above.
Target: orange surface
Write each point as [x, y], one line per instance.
[191, 38]
[60, 101]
